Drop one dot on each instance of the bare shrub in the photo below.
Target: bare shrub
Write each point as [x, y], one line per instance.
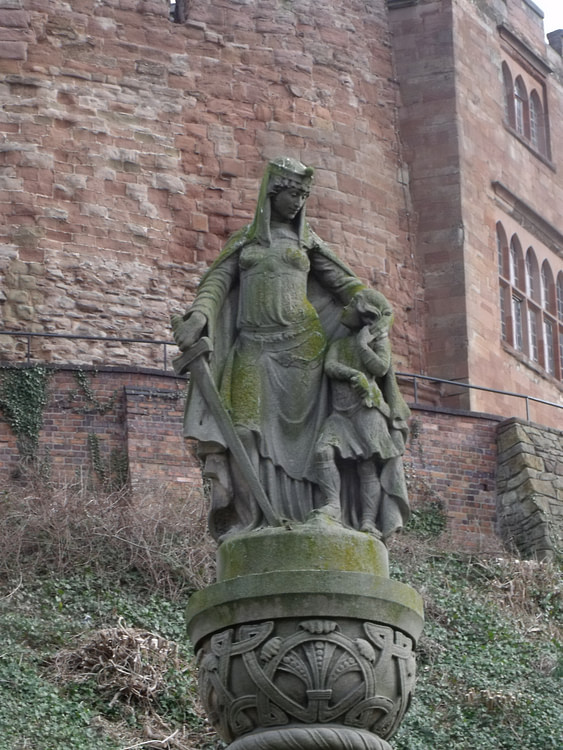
[128, 664]
[134, 670]
[532, 590]
[161, 535]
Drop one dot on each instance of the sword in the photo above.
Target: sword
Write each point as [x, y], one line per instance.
[193, 360]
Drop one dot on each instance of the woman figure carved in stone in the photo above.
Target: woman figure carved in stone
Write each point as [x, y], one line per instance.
[268, 303]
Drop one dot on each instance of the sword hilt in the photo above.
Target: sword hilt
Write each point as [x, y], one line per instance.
[182, 362]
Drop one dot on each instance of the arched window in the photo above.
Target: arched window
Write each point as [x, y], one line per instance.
[547, 288]
[560, 296]
[548, 302]
[502, 252]
[516, 277]
[533, 293]
[530, 304]
[525, 107]
[521, 108]
[532, 285]
[537, 123]
[508, 95]
[504, 273]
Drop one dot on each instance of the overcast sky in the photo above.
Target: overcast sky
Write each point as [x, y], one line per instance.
[553, 10]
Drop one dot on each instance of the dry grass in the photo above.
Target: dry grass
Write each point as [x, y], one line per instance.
[128, 664]
[161, 535]
[132, 667]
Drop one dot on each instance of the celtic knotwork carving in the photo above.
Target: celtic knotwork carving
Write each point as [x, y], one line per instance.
[253, 677]
[396, 653]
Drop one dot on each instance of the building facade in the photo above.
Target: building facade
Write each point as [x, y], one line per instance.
[481, 112]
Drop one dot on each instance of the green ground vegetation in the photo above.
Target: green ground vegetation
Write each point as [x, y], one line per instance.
[93, 653]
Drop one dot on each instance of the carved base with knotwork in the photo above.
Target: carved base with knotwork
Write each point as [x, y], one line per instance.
[317, 653]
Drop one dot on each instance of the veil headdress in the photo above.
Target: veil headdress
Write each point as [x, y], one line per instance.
[282, 173]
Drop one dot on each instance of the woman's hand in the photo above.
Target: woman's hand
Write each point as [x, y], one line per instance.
[187, 332]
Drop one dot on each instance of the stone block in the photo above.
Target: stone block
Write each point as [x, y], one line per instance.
[169, 182]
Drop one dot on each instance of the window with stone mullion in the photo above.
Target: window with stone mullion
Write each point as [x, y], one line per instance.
[549, 346]
[533, 316]
[560, 296]
[517, 323]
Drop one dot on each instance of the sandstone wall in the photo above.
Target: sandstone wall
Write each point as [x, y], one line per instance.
[504, 179]
[133, 146]
[530, 488]
[423, 45]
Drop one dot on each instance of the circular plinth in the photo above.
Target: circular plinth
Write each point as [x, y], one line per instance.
[319, 544]
[304, 654]
[311, 738]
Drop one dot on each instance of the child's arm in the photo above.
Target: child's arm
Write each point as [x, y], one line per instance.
[374, 354]
[337, 368]
[336, 365]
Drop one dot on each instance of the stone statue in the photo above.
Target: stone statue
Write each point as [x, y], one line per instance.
[269, 307]
[361, 444]
[304, 641]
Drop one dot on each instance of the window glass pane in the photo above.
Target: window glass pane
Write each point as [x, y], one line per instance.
[533, 334]
[529, 274]
[548, 347]
[546, 287]
[534, 124]
[504, 332]
[537, 123]
[560, 297]
[514, 258]
[520, 106]
[518, 342]
[508, 94]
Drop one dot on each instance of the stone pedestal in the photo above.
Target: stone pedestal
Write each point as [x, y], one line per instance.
[304, 641]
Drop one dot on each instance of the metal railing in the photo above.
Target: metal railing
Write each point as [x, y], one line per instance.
[28, 335]
[415, 378]
[526, 398]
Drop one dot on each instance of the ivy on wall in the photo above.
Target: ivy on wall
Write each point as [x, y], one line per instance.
[85, 391]
[113, 473]
[23, 397]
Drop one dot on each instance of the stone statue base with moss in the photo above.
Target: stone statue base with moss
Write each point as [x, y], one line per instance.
[305, 641]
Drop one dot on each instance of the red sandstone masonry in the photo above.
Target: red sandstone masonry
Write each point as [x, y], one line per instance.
[138, 144]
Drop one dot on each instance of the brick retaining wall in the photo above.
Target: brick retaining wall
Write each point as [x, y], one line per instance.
[451, 456]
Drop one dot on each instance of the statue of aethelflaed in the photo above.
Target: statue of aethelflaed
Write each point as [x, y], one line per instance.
[256, 338]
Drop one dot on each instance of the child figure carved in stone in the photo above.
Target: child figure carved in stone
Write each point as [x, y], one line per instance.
[360, 446]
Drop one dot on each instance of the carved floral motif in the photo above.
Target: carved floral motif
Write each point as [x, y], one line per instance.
[251, 677]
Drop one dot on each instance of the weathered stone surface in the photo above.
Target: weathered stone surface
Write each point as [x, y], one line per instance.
[529, 496]
[258, 626]
[120, 112]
